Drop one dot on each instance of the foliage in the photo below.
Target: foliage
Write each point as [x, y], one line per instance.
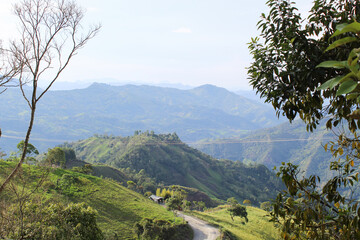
[155, 229]
[237, 210]
[301, 74]
[50, 221]
[247, 202]
[177, 200]
[174, 203]
[199, 205]
[232, 201]
[117, 207]
[31, 150]
[284, 68]
[56, 156]
[258, 226]
[266, 206]
[150, 160]
[87, 169]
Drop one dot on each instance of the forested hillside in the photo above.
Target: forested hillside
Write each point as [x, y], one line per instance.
[284, 143]
[169, 161]
[202, 112]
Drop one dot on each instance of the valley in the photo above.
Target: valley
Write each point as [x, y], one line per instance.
[203, 112]
[230, 153]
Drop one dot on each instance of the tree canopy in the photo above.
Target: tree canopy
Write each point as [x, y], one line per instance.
[309, 68]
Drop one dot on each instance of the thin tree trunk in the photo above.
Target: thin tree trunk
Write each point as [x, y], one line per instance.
[23, 155]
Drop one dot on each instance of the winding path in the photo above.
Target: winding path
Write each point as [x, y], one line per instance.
[202, 230]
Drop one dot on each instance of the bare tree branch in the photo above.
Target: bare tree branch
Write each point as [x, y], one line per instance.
[49, 38]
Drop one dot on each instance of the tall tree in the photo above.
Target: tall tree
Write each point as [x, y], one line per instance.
[310, 68]
[50, 35]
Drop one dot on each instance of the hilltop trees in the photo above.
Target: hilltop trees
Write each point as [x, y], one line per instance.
[50, 34]
[56, 156]
[311, 70]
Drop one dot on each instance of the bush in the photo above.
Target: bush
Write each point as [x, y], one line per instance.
[154, 229]
[52, 221]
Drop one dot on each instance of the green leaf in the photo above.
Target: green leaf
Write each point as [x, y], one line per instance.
[344, 28]
[333, 64]
[341, 42]
[330, 84]
[346, 87]
[352, 96]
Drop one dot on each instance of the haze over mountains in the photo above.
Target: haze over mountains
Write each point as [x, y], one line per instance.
[272, 146]
[203, 112]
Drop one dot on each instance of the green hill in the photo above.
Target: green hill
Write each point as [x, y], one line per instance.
[284, 143]
[168, 161]
[118, 207]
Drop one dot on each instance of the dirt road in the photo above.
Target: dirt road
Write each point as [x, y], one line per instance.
[202, 230]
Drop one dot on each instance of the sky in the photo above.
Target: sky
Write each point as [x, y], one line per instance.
[187, 42]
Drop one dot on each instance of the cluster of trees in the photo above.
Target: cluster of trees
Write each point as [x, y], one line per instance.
[38, 220]
[177, 199]
[170, 137]
[309, 68]
[155, 229]
[27, 213]
[140, 181]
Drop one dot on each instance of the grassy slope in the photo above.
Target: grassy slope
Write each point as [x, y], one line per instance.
[257, 228]
[119, 208]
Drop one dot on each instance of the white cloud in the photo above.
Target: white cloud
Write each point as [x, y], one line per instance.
[183, 30]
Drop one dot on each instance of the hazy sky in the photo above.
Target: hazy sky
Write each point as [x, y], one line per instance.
[191, 42]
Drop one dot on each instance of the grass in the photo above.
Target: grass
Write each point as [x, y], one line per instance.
[118, 207]
[257, 228]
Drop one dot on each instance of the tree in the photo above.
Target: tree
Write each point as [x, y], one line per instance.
[232, 201]
[265, 206]
[310, 69]
[286, 55]
[50, 35]
[50, 221]
[155, 229]
[247, 202]
[31, 151]
[131, 185]
[56, 156]
[237, 210]
[199, 205]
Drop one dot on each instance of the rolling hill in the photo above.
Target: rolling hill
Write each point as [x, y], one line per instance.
[118, 208]
[203, 112]
[171, 162]
[284, 143]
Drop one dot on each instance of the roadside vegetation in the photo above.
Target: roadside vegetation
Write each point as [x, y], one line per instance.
[258, 225]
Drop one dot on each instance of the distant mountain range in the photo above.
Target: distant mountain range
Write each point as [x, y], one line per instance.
[283, 143]
[169, 161]
[203, 112]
